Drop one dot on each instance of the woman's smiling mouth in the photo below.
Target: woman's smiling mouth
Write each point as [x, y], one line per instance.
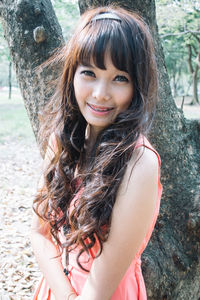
[100, 110]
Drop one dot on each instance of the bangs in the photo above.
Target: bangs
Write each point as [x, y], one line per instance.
[102, 37]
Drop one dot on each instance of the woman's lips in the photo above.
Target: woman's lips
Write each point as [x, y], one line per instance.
[100, 109]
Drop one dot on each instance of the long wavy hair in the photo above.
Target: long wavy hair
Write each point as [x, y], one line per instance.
[130, 45]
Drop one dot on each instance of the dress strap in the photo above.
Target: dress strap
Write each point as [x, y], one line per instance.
[143, 141]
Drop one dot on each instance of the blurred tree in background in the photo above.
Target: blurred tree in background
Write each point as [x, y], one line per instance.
[5, 64]
[67, 12]
[179, 28]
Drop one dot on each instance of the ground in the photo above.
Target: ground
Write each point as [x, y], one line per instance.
[190, 111]
[19, 173]
[20, 169]
[20, 163]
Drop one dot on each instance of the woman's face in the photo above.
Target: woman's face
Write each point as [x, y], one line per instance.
[102, 94]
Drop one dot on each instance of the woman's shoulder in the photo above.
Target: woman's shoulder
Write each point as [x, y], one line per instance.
[144, 167]
[143, 145]
[144, 159]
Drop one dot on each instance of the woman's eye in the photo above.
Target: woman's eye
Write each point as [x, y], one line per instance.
[121, 78]
[88, 73]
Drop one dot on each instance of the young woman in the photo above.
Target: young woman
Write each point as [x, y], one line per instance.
[99, 195]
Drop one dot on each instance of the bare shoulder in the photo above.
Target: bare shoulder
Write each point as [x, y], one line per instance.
[141, 171]
[144, 161]
[144, 156]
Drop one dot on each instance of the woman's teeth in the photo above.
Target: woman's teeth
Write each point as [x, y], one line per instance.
[99, 109]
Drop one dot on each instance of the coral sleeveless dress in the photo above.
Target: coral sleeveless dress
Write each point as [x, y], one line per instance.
[132, 285]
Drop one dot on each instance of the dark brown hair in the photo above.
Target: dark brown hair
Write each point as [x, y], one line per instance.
[97, 182]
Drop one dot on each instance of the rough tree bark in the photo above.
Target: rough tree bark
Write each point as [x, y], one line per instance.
[33, 33]
[171, 263]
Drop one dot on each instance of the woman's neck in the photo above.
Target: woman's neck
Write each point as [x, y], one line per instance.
[90, 138]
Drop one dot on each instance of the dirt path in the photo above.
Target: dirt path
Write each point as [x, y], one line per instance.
[20, 164]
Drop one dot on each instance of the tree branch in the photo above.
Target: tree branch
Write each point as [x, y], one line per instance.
[197, 61]
[180, 33]
[195, 35]
[194, 49]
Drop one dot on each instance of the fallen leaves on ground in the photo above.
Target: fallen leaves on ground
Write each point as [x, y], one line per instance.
[19, 172]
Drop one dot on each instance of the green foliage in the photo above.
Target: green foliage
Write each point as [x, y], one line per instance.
[176, 21]
[67, 12]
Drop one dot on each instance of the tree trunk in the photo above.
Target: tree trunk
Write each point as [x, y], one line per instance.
[195, 87]
[174, 83]
[194, 73]
[171, 263]
[33, 33]
[10, 79]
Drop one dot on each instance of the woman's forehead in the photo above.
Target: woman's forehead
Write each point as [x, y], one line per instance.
[106, 59]
[91, 59]
[108, 63]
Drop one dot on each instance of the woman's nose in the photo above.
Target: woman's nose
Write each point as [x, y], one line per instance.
[101, 91]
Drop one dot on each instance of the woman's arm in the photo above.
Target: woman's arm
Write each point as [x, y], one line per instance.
[132, 215]
[45, 250]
